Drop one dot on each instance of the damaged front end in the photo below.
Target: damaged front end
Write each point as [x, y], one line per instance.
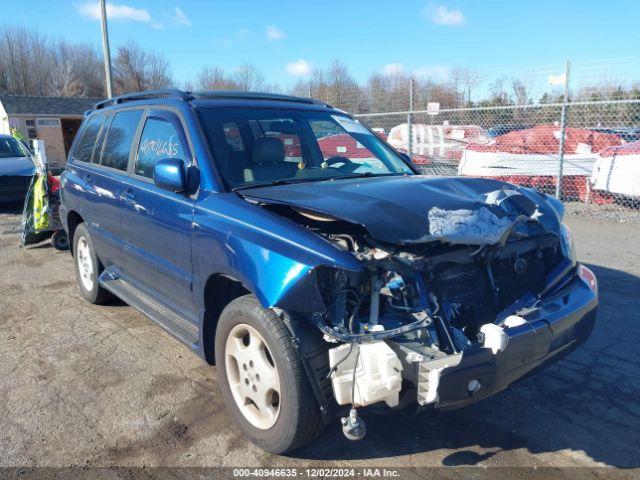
[482, 297]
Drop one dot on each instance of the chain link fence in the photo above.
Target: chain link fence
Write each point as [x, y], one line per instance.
[586, 153]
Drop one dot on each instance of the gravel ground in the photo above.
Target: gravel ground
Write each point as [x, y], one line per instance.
[103, 386]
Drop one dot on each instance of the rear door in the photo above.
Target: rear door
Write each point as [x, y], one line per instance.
[105, 178]
[156, 223]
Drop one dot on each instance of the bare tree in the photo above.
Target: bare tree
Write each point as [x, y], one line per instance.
[76, 71]
[341, 88]
[214, 78]
[465, 81]
[499, 95]
[137, 69]
[249, 78]
[26, 61]
[519, 92]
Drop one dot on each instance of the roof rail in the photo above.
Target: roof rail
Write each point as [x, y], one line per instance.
[237, 94]
[221, 94]
[130, 97]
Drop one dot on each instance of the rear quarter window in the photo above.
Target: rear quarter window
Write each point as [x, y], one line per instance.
[117, 143]
[87, 141]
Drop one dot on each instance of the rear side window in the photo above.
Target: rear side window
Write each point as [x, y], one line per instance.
[85, 146]
[117, 144]
[159, 140]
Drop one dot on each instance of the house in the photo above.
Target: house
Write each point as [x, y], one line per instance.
[52, 119]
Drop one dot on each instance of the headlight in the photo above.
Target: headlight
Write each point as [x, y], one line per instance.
[567, 243]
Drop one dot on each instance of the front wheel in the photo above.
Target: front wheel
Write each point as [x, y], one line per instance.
[262, 379]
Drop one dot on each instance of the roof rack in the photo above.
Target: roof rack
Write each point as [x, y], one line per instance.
[221, 94]
[237, 94]
[130, 97]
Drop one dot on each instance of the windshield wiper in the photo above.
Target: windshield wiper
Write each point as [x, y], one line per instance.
[367, 175]
[287, 181]
[274, 183]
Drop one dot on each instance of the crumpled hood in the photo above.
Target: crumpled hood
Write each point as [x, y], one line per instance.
[417, 209]
[17, 166]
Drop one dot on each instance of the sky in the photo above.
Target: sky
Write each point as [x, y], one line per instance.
[286, 39]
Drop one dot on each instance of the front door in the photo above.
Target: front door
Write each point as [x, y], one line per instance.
[157, 223]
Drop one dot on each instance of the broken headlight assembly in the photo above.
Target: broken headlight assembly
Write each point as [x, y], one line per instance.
[568, 244]
[371, 305]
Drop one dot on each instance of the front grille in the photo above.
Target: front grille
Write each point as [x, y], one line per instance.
[14, 180]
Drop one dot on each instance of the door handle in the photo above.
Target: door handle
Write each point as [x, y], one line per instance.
[88, 180]
[128, 196]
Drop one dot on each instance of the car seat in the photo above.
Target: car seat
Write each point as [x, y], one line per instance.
[268, 161]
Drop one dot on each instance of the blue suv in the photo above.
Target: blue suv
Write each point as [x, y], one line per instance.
[286, 243]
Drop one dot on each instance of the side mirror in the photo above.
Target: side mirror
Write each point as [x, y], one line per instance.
[169, 174]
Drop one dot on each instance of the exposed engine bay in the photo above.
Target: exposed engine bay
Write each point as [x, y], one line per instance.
[416, 307]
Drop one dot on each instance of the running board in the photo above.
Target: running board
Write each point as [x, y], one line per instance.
[173, 322]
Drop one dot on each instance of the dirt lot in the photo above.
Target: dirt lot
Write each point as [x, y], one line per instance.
[87, 385]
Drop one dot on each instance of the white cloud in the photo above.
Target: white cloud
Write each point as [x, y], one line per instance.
[299, 68]
[393, 69]
[157, 25]
[443, 15]
[91, 10]
[180, 18]
[274, 33]
[437, 72]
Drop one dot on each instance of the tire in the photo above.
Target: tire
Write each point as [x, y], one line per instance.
[251, 340]
[88, 267]
[60, 240]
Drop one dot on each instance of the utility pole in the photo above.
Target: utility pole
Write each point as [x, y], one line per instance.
[105, 49]
[410, 121]
[563, 130]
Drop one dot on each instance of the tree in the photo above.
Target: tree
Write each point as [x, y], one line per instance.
[76, 71]
[249, 78]
[465, 81]
[32, 64]
[214, 78]
[26, 61]
[519, 92]
[136, 70]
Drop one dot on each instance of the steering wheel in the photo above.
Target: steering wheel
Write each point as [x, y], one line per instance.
[349, 165]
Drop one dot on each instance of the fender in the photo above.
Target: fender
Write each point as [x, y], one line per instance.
[273, 257]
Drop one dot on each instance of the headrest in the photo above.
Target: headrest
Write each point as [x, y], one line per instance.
[268, 150]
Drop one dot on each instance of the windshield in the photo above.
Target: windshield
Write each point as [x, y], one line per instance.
[255, 147]
[10, 147]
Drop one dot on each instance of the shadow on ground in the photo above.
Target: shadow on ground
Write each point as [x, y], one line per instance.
[11, 207]
[586, 402]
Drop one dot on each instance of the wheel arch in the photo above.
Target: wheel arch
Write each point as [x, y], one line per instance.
[73, 220]
[219, 290]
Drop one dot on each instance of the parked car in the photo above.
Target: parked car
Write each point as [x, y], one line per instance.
[16, 169]
[317, 283]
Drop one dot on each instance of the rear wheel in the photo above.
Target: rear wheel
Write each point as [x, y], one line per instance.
[88, 267]
[262, 379]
